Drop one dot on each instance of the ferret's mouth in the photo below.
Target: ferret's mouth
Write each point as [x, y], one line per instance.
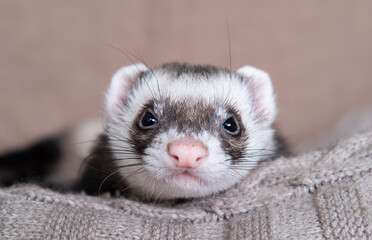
[185, 178]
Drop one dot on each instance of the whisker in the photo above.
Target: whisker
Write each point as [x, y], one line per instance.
[161, 191]
[246, 166]
[132, 165]
[122, 153]
[231, 169]
[123, 190]
[228, 37]
[261, 149]
[85, 162]
[116, 147]
[130, 59]
[153, 187]
[259, 155]
[119, 148]
[230, 65]
[100, 186]
[249, 163]
[81, 142]
[152, 72]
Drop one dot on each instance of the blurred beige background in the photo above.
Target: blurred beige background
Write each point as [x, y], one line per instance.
[55, 62]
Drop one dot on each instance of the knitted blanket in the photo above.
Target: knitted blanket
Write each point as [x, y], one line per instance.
[318, 195]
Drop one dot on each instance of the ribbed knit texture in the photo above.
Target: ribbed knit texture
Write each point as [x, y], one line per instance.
[318, 195]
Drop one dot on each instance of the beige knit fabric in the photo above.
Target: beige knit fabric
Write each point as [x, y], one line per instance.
[319, 195]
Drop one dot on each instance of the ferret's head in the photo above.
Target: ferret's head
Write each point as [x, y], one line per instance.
[185, 131]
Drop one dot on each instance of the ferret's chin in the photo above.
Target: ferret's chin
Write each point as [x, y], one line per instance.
[186, 190]
[186, 185]
[178, 184]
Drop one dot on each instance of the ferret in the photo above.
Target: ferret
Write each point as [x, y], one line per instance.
[178, 131]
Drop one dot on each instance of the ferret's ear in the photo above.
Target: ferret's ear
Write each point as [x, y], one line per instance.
[262, 92]
[121, 84]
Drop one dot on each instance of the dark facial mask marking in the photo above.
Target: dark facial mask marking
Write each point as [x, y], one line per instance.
[190, 118]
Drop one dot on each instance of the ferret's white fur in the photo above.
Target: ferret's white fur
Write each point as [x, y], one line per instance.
[250, 91]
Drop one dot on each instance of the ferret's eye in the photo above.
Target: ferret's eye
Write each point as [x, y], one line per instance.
[231, 126]
[148, 120]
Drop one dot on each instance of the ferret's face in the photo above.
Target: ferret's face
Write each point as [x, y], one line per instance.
[184, 131]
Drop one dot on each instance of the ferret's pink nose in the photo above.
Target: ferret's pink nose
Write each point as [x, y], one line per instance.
[187, 153]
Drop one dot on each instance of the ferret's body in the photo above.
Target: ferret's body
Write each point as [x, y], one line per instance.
[182, 131]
